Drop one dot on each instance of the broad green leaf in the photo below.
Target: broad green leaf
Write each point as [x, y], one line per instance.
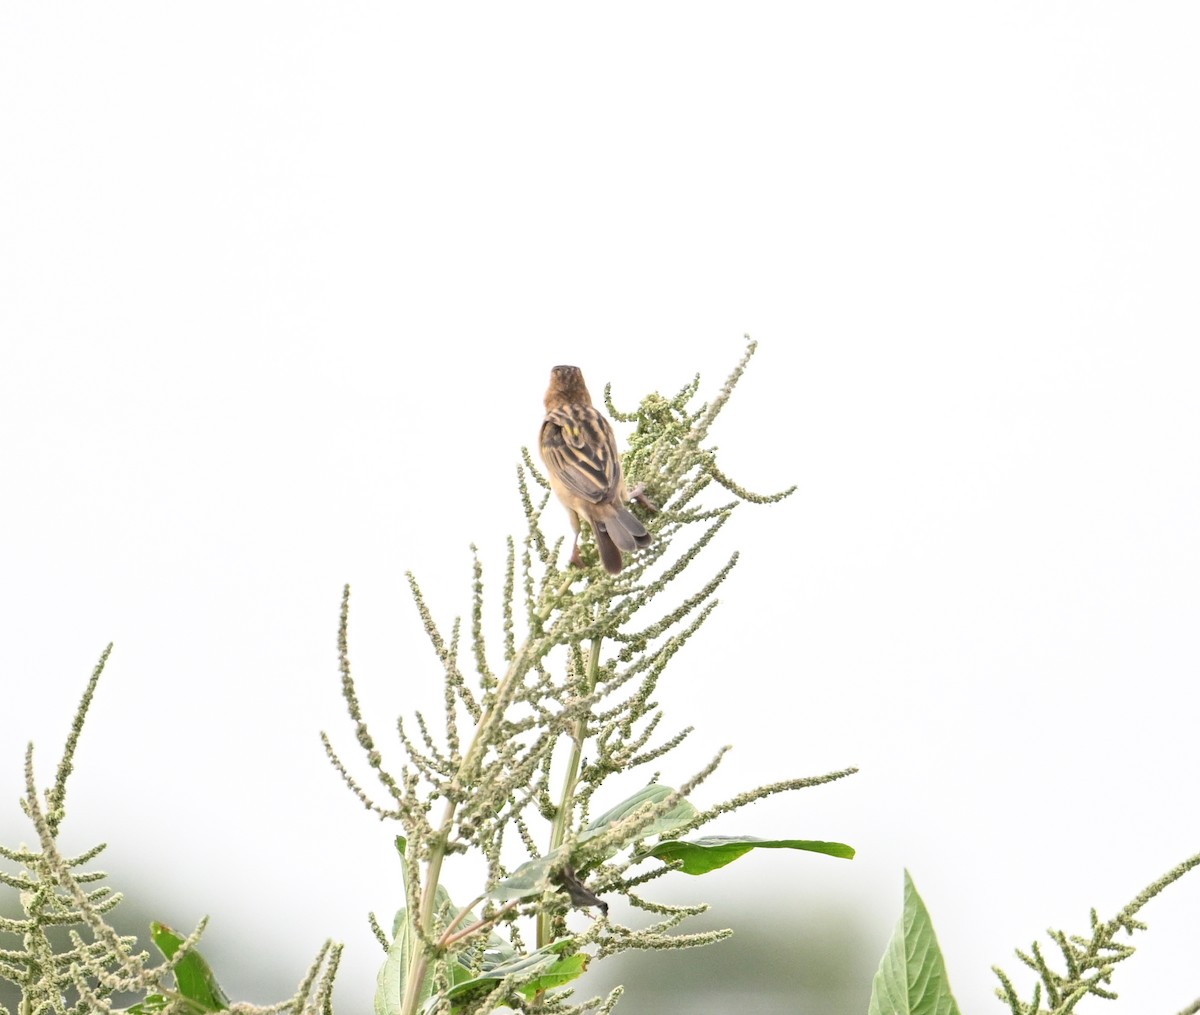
[912, 975]
[480, 965]
[393, 974]
[544, 969]
[699, 856]
[562, 972]
[534, 876]
[193, 977]
[531, 878]
[679, 815]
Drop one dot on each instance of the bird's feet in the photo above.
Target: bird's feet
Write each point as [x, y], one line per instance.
[638, 493]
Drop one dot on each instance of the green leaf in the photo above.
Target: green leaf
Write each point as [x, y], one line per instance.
[544, 969]
[681, 814]
[480, 964]
[393, 974]
[535, 876]
[531, 878]
[912, 976]
[193, 976]
[699, 856]
[562, 972]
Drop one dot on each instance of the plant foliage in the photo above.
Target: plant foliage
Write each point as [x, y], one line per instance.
[70, 959]
[1088, 960]
[553, 727]
[912, 975]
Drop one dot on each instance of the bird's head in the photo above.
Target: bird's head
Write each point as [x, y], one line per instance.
[566, 388]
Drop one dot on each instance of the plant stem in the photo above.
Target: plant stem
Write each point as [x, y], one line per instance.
[421, 922]
[566, 803]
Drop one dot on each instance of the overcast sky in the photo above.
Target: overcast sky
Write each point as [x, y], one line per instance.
[280, 288]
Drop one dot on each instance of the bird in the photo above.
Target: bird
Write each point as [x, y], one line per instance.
[579, 449]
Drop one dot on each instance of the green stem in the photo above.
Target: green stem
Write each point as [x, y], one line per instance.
[422, 920]
[566, 803]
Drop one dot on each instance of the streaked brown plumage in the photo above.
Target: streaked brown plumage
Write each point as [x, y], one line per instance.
[580, 451]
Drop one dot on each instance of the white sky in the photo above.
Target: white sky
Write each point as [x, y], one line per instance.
[280, 286]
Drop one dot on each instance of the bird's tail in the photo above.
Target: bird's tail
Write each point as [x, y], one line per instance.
[619, 531]
[610, 556]
[626, 531]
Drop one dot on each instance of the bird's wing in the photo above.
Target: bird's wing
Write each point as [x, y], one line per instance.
[580, 448]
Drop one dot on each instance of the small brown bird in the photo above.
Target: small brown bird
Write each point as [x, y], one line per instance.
[580, 451]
